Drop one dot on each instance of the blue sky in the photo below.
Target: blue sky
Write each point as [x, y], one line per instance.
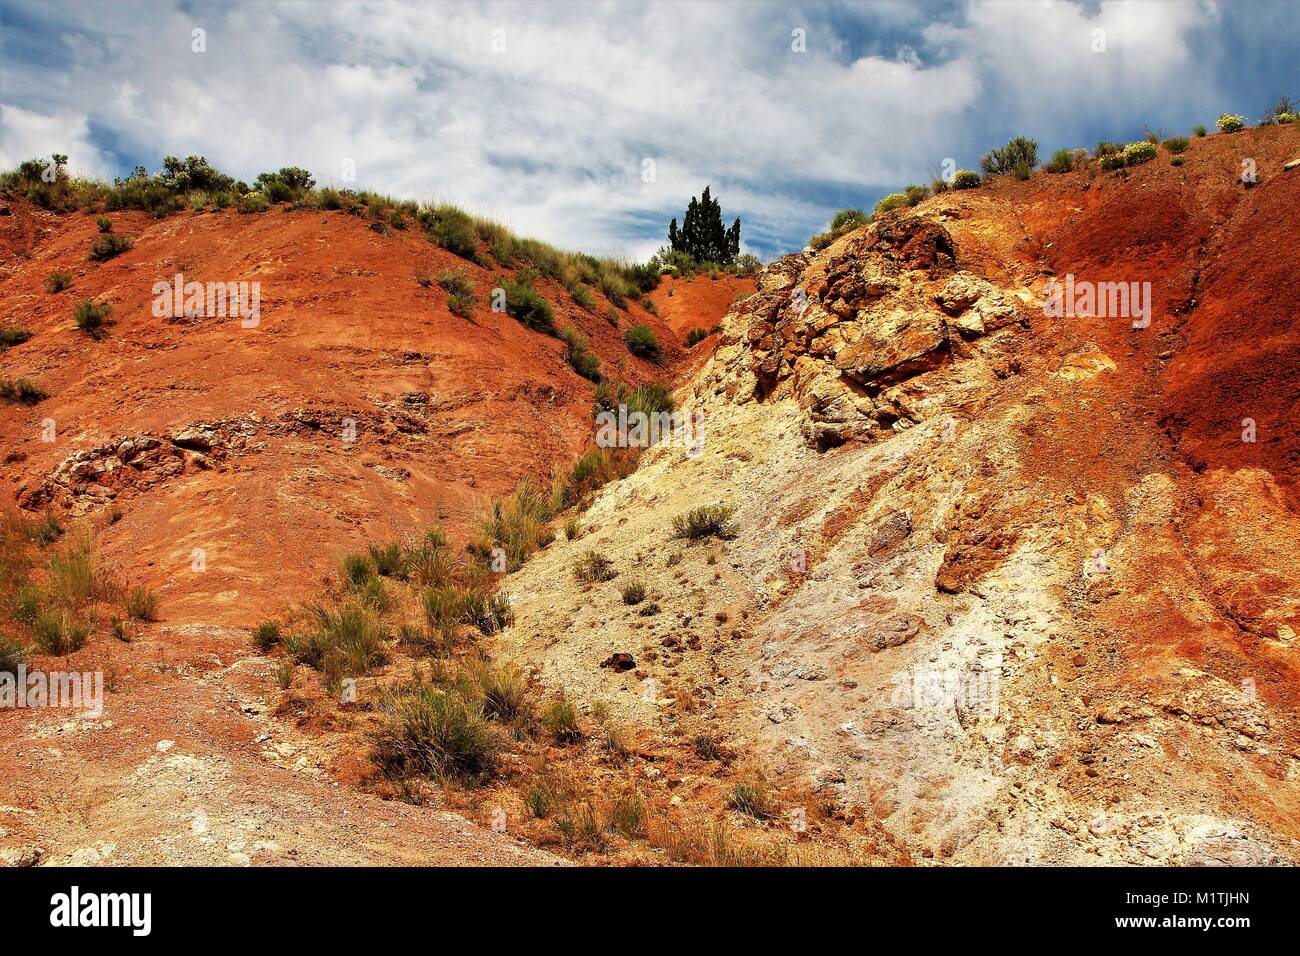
[543, 115]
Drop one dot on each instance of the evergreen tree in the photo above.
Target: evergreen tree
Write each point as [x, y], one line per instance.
[702, 235]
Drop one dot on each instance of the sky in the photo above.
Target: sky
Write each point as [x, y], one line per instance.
[590, 125]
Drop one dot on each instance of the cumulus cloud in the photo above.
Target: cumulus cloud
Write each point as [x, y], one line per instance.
[25, 134]
[543, 114]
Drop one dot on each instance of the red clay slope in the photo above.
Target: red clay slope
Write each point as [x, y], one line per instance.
[448, 411]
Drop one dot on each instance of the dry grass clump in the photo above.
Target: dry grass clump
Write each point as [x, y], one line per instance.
[594, 567]
[54, 595]
[516, 527]
[437, 733]
[708, 521]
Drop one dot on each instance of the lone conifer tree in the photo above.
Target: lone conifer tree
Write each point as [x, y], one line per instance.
[702, 235]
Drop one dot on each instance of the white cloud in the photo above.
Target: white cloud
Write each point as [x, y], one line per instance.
[26, 135]
[549, 134]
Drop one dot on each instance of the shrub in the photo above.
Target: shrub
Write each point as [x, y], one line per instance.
[462, 305]
[633, 592]
[584, 298]
[490, 613]
[1230, 123]
[266, 636]
[627, 816]
[579, 358]
[525, 304]
[642, 342]
[291, 183]
[1200, 131]
[1284, 111]
[142, 604]
[891, 202]
[504, 691]
[539, 800]
[747, 264]
[1105, 148]
[12, 656]
[89, 316]
[709, 521]
[356, 569]
[1176, 161]
[612, 739]
[1177, 144]
[104, 223]
[348, 639]
[27, 602]
[847, 219]
[59, 631]
[706, 748]
[444, 608]
[1019, 156]
[518, 525]
[427, 562]
[594, 470]
[560, 720]
[696, 336]
[254, 203]
[374, 595]
[387, 559]
[451, 228]
[965, 179]
[593, 567]
[414, 635]
[11, 335]
[22, 390]
[751, 799]
[435, 733]
[456, 282]
[72, 574]
[581, 829]
[1062, 161]
[1112, 162]
[1137, 153]
[612, 285]
[106, 247]
[58, 281]
[329, 198]
[650, 399]
[45, 530]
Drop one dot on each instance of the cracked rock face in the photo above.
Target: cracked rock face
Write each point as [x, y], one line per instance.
[134, 463]
[862, 327]
[985, 593]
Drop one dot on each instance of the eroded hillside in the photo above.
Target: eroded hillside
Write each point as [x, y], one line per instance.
[1009, 585]
[242, 447]
[998, 584]
[228, 467]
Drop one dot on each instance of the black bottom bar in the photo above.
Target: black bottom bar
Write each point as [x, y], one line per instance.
[369, 906]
